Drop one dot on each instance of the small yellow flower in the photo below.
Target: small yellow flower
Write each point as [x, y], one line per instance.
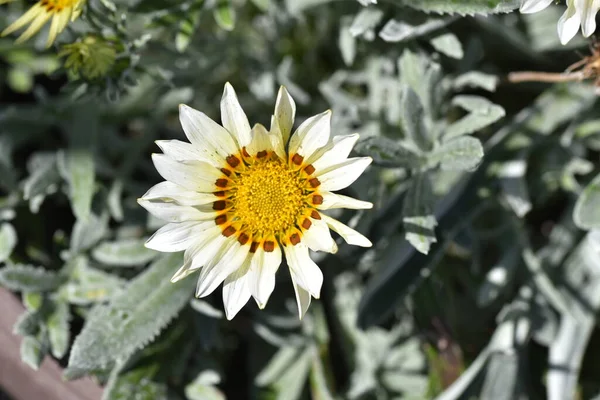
[61, 12]
[91, 57]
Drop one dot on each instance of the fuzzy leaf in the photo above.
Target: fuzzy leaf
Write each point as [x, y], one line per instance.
[401, 31]
[449, 45]
[8, 240]
[27, 278]
[482, 113]
[87, 233]
[90, 285]
[33, 351]
[43, 178]
[587, 209]
[419, 221]
[388, 153]
[59, 332]
[126, 253]
[463, 7]
[413, 119]
[461, 153]
[27, 324]
[77, 168]
[132, 319]
[365, 20]
[477, 80]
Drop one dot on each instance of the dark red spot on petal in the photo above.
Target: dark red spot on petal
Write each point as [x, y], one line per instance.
[221, 183]
[233, 161]
[269, 246]
[221, 219]
[219, 205]
[314, 182]
[243, 239]
[306, 223]
[309, 169]
[220, 193]
[297, 159]
[230, 230]
[226, 171]
[253, 247]
[245, 152]
[317, 199]
[314, 214]
[261, 154]
[295, 239]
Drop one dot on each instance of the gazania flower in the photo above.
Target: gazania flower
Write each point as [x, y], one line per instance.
[579, 13]
[237, 199]
[61, 12]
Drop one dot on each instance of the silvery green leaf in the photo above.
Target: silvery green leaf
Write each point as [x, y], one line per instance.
[90, 285]
[587, 209]
[277, 365]
[319, 386]
[346, 41]
[59, 332]
[513, 183]
[28, 323]
[124, 252]
[482, 113]
[365, 20]
[417, 213]
[202, 388]
[87, 233]
[43, 178]
[413, 119]
[32, 300]
[77, 168]
[131, 319]
[8, 240]
[136, 383]
[463, 7]
[291, 383]
[401, 31]
[224, 14]
[423, 76]
[476, 80]
[388, 153]
[113, 200]
[461, 153]
[27, 278]
[33, 351]
[449, 45]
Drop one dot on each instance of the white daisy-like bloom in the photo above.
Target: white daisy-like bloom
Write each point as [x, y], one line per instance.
[238, 199]
[579, 13]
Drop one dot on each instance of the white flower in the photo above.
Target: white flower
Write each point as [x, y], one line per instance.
[579, 12]
[237, 199]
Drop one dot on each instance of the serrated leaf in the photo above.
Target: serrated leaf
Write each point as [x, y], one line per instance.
[77, 168]
[126, 253]
[224, 14]
[449, 45]
[482, 113]
[463, 7]
[33, 351]
[132, 319]
[8, 240]
[417, 213]
[586, 214]
[388, 153]
[461, 153]
[58, 326]
[27, 278]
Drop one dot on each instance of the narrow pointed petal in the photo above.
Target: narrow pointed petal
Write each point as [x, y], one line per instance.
[208, 245]
[278, 142]
[53, 32]
[348, 234]
[233, 117]
[205, 134]
[318, 237]
[332, 200]
[169, 191]
[311, 135]
[181, 151]
[264, 266]
[236, 290]
[302, 298]
[533, 6]
[303, 269]
[173, 212]
[335, 152]
[589, 9]
[229, 261]
[179, 236]
[26, 18]
[569, 23]
[342, 175]
[193, 175]
[34, 28]
[261, 140]
[285, 112]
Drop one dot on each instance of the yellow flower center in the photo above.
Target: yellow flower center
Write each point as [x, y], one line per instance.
[265, 199]
[58, 5]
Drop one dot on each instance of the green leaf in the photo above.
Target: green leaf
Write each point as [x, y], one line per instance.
[423, 76]
[449, 45]
[202, 388]
[132, 319]
[136, 383]
[347, 42]
[224, 14]
[587, 209]
[77, 168]
[187, 27]
[461, 153]
[8, 240]
[463, 7]
[482, 113]
[58, 326]
[90, 285]
[86, 233]
[401, 31]
[33, 351]
[287, 375]
[365, 20]
[413, 119]
[27, 278]
[126, 253]
[388, 153]
[43, 179]
[28, 324]
[418, 217]
[476, 80]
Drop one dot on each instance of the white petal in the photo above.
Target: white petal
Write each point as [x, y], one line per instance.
[335, 152]
[192, 175]
[343, 174]
[229, 260]
[302, 298]
[181, 151]
[236, 290]
[169, 191]
[303, 269]
[533, 6]
[348, 234]
[318, 237]
[332, 200]
[264, 266]
[311, 135]
[175, 237]
[588, 8]
[205, 247]
[206, 135]
[173, 212]
[233, 116]
[285, 112]
[277, 140]
[568, 24]
[261, 140]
